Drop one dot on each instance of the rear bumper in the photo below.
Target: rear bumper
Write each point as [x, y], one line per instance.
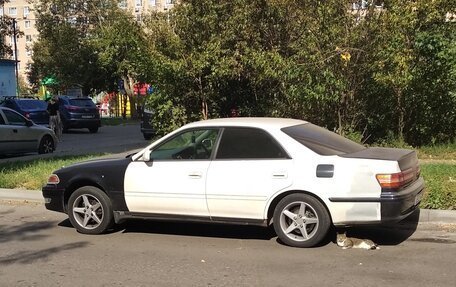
[396, 206]
[54, 198]
[390, 207]
[82, 123]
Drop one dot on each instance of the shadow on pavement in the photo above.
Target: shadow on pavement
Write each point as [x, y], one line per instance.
[29, 231]
[391, 234]
[197, 229]
[27, 257]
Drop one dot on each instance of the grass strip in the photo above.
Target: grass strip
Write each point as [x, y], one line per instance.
[34, 174]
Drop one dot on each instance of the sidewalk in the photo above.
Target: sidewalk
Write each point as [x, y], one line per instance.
[426, 215]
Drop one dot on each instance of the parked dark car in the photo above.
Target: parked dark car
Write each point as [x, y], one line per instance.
[79, 113]
[32, 109]
[147, 129]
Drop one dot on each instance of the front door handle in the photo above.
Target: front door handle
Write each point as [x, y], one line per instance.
[280, 174]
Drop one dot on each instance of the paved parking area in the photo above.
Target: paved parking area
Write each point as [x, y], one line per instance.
[109, 139]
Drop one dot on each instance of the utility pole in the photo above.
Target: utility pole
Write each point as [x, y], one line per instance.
[15, 56]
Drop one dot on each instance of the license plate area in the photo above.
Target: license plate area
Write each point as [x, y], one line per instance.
[87, 116]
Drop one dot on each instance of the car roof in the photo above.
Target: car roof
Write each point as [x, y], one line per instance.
[259, 122]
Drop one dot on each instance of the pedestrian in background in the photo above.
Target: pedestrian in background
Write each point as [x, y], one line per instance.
[54, 117]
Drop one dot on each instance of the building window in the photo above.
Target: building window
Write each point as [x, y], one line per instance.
[138, 3]
[152, 3]
[26, 10]
[28, 53]
[12, 11]
[28, 38]
[169, 2]
[1, 11]
[27, 24]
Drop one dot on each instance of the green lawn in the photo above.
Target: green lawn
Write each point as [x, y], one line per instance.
[33, 174]
[118, 121]
[440, 186]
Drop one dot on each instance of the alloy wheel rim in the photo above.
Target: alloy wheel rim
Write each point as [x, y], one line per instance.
[47, 146]
[88, 211]
[299, 221]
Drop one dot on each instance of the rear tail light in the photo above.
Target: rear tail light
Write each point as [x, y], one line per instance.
[71, 108]
[398, 180]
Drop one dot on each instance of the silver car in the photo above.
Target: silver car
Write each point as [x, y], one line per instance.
[20, 135]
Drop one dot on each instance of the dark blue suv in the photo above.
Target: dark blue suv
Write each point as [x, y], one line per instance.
[32, 109]
[79, 113]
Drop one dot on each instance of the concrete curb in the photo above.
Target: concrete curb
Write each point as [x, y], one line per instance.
[426, 215]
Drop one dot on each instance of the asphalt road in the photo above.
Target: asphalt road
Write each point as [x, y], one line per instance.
[40, 248]
[109, 139]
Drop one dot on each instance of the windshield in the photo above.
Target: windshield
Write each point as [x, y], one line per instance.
[32, 105]
[321, 140]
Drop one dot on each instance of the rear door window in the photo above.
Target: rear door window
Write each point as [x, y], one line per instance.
[14, 118]
[248, 143]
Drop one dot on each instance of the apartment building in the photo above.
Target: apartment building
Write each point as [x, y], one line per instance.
[22, 12]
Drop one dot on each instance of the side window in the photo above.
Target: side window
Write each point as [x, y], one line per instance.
[193, 144]
[248, 143]
[14, 118]
[2, 121]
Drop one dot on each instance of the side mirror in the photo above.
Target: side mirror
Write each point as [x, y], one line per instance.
[28, 123]
[146, 156]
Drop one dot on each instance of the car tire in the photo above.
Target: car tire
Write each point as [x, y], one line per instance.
[147, 136]
[301, 220]
[93, 130]
[90, 210]
[47, 145]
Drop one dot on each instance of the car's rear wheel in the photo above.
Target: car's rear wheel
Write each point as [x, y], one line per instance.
[90, 210]
[93, 129]
[46, 145]
[300, 220]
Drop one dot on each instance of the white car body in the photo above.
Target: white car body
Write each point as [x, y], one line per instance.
[246, 189]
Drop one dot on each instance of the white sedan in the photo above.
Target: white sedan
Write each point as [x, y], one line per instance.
[290, 173]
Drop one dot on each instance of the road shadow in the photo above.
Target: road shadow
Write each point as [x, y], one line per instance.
[197, 229]
[28, 257]
[386, 234]
[29, 231]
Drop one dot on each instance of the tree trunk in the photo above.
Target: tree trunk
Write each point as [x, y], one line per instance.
[130, 96]
[401, 114]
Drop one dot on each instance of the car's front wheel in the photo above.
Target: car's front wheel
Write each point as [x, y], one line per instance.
[90, 210]
[46, 145]
[300, 220]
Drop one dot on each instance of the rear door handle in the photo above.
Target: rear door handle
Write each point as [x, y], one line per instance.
[195, 175]
[15, 131]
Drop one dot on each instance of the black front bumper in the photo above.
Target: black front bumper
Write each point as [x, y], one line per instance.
[54, 198]
[397, 205]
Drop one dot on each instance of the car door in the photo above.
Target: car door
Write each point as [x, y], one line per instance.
[249, 167]
[17, 136]
[174, 180]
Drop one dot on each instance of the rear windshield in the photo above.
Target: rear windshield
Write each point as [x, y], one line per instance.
[82, 103]
[321, 140]
[32, 105]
